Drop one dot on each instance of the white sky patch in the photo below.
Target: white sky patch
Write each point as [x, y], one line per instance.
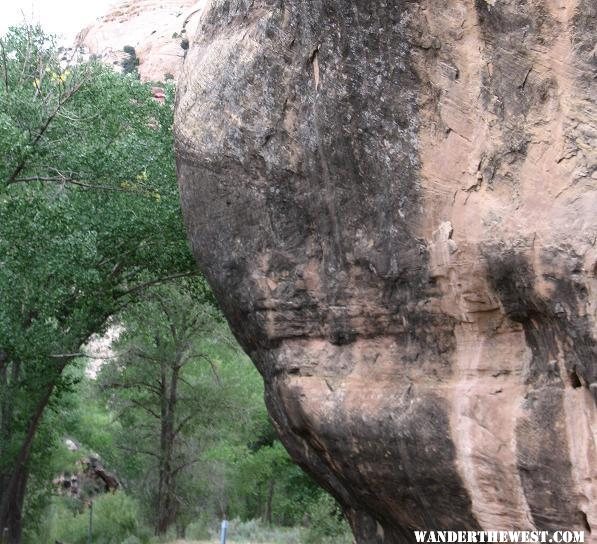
[62, 17]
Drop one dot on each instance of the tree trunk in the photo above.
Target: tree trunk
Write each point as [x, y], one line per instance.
[166, 507]
[269, 502]
[9, 378]
[11, 522]
[166, 513]
[13, 493]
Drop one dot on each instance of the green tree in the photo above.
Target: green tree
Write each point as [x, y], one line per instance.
[166, 388]
[89, 219]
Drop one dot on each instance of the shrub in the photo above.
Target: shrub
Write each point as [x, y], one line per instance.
[199, 529]
[131, 61]
[132, 540]
[114, 521]
[326, 523]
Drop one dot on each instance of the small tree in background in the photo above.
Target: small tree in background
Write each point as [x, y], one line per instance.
[130, 63]
[165, 386]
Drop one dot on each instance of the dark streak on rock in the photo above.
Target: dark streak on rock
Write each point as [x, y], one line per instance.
[557, 323]
[543, 460]
[552, 326]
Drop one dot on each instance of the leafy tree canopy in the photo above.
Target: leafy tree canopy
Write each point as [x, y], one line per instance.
[89, 218]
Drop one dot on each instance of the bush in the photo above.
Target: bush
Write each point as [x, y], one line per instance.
[326, 523]
[200, 528]
[131, 62]
[114, 521]
[132, 540]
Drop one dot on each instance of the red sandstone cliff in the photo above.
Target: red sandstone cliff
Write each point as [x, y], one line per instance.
[155, 29]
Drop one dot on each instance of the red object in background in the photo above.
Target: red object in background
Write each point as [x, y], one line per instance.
[158, 93]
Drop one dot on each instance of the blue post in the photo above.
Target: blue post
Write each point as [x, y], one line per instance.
[90, 528]
[223, 531]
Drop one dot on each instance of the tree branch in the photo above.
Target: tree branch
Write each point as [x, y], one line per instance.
[213, 367]
[185, 420]
[133, 450]
[80, 354]
[5, 65]
[185, 465]
[141, 287]
[44, 127]
[67, 355]
[132, 385]
[146, 408]
[70, 181]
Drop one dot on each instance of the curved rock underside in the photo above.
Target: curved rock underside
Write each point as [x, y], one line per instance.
[395, 204]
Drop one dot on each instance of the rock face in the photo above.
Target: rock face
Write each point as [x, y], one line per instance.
[155, 29]
[92, 480]
[395, 203]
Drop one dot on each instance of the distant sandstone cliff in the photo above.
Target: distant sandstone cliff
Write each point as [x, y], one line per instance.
[156, 29]
[395, 203]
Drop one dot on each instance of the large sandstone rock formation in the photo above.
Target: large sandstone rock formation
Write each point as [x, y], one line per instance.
[395, 203]
[156, 29]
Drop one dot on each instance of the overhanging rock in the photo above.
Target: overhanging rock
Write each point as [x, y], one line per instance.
[395, 205]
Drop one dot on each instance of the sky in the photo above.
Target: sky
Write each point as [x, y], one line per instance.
[62, 17]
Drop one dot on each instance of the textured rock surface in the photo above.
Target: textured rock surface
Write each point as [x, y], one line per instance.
[154, 28]
[395, 204]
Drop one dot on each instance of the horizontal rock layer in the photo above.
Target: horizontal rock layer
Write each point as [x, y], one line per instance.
[395, 205]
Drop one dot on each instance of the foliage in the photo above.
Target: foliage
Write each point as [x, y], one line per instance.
[201, 527]
[326, 523]
[90, 217]
[115, 518]
[165, 386]
[130, 63]
[231, 461]
[238, 453]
